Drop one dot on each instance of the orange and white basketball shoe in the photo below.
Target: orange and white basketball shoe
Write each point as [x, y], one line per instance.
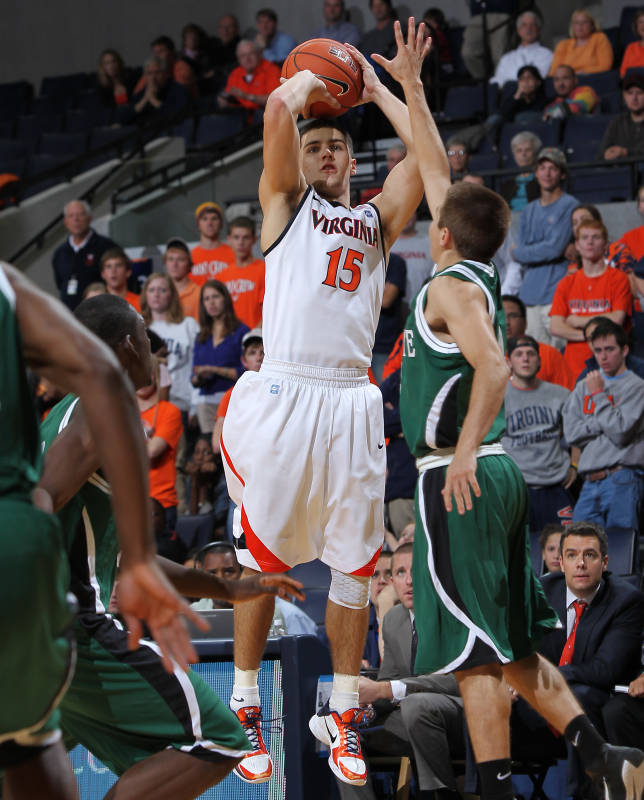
[339, 732]
[256, 767]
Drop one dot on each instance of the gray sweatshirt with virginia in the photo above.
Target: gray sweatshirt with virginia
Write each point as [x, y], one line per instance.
[607, 426]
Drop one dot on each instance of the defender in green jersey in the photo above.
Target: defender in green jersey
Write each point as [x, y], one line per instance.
[479, 608]
[167, 734]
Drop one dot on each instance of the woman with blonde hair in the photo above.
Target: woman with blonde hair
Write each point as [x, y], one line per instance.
[587, 50]
[162, 313]
[114, 82]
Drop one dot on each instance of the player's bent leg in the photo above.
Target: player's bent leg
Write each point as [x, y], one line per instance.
[486, 700]
[47, 775]
[170, 775]
[252, 623]
[336, 725]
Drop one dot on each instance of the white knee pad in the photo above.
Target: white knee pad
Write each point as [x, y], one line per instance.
[350, 591]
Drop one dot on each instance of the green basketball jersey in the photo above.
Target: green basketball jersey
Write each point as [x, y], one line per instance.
[88, 525]
[436, 379]
[19, 451]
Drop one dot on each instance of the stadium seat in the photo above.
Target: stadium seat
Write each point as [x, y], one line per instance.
[30, 127]
[626, 32]
[7, 127]
[215, 127]
[455, 37]
[41, 163]
[12, 148]
[63, 144]
[622, 550]
[77, 121]
[196, 530]
[612, 34]
[14, 166]
[464, 102]
[602, 82]
[63, 85]
[600, 184]
[479, 162]
[611, 103]
[122, 136]
[313, 574]
[186, 130]
[583, 135]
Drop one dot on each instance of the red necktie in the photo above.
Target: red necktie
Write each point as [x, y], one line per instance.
[569, 647]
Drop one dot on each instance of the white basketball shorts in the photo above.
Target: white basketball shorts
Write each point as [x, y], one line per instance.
[304, 455]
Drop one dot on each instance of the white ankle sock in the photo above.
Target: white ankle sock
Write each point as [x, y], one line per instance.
[344, 693]
[245, 689]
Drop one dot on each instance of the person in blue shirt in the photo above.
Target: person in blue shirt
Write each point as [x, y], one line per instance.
[275, 44]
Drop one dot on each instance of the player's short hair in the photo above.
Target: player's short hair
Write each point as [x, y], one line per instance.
[518, 302]
[109, 317]
[606, 327]
[317, 123]
[477, 218]
[242, 222]
[548, 530]
[115, 252]
[586, 529]
[595, 225]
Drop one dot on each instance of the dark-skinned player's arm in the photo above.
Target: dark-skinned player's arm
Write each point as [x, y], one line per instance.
[60, 349]
[282, 182]
[427, 144]
[461, 309]
[197, 583]
[402, 190]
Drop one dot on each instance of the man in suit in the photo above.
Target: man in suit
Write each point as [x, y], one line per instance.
[599, 643]
[416, 715]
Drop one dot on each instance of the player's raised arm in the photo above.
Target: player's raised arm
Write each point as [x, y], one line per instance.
[427, 144]
[60, 349]
[403, 187]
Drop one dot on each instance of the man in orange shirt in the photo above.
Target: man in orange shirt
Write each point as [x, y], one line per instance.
[211, 255]
[116, 268]
[251, 82]
[245, 278]
[177, 264]
[595, 289]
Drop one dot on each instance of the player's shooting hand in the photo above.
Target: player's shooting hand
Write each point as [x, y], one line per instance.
[145, 594]
[257, 585]
[407, 63]
[460, 477]
[594, 381]
[370, 81]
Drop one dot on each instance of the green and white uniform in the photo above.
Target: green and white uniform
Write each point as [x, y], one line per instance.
[122, 705]
[35, 623]
[475, 594]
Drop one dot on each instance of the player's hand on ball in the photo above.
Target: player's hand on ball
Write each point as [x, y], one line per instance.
[370, 80]
[258, 585]
[144, 593]
[460, 476]
[407, 63]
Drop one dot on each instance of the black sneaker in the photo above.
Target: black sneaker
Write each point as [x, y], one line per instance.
[622, 770]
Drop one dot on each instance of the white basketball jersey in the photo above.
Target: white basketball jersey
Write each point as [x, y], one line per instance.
[325, 277]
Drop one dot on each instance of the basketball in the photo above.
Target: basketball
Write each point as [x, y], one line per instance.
[331, 62]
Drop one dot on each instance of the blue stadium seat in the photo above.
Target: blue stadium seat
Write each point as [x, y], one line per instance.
[63, 85]
[30, 126]
[106, 135]
[464, 102]
[612, 34]
[455, 37]
[583, 135]
[196, 530]
[601, 82]
[482, 161]
[214, 127]
[611, 103]
[7, 128]
[600, 184]
[622, 550]
[41, 163]
[12, 148]
[549, 132]
[15, 166]
[313, 574]
[626, 32]
[63, 144]
[186, 130]
[44, 106]
[77, 121]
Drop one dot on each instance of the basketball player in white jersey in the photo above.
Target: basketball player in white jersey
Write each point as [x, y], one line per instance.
[303, 440]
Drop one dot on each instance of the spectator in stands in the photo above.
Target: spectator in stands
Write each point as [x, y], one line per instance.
[634, 53]
[458, 155]
[211, 255]
[543, 233]
[380, 580]
[162, 97]
[550, 546]
[216, 361]
[529, 52]
[177, 264]
[337, 26]
[587, 50]
[175, 69]
[606, 615]
[390, 322]
[114, 83]
[417, 715]
[195, 52]
[553, 368]
[250, 83]
[475, 49]
[76, 261]
[162, 312]
[275, 45]
[395, 155]
[381, 38]
[527, 102]
[438, 28]
[523, 188]
[94, 289]
[534, 436]
[245, 278]
[604, 416]
[617, 254]
[633, 363]
[163, 428]
[224, 46]
[634, 239]
[570, 97]
[413, 246]
[625, 133]
[116, 268]
[203, 471]
[593, 290]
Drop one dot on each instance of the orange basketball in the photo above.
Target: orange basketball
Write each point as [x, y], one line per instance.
[330, 61]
